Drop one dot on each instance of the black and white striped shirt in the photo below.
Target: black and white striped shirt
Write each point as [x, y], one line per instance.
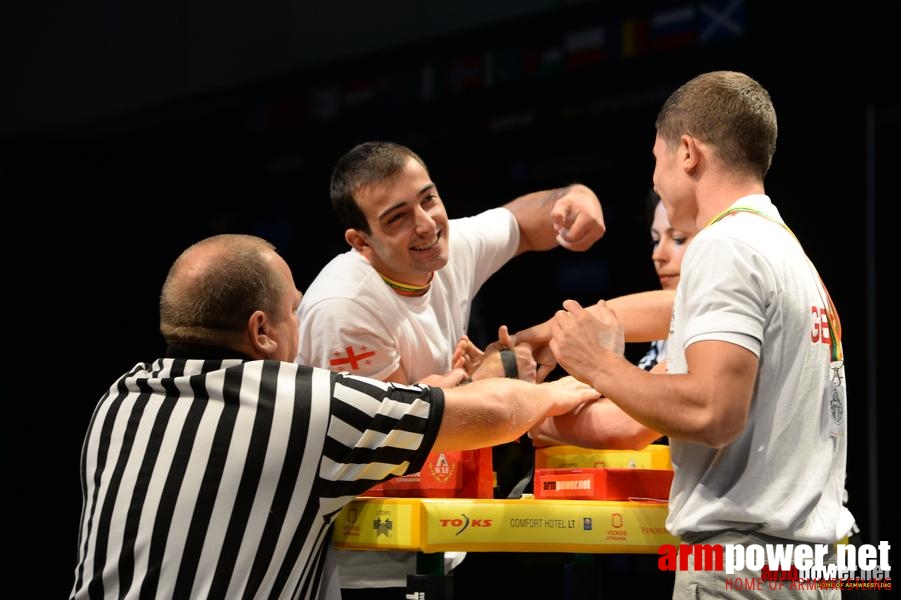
[219, 477]
[656, 352]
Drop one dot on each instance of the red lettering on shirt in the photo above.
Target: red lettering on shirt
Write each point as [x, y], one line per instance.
[820, 331]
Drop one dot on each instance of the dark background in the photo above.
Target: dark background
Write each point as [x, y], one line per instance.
[130, 131]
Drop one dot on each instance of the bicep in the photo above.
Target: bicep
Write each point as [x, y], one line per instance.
[726, 374]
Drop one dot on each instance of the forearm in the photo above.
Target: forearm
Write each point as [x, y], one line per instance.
[446, 380]
[540, 435]
[600, 424]
[645, 315]
[701, 408]
[708, 404]
[533, 214]
[496, 411]
[489, 412]
[648, 399]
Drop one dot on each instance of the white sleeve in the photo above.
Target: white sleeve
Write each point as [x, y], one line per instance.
[338, 334]
[485, 241]
[726, 287]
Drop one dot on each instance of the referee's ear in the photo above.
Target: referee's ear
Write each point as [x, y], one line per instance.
[258, 329]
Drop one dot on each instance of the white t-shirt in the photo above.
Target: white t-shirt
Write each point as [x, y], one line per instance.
[746, 280]
[351, 320]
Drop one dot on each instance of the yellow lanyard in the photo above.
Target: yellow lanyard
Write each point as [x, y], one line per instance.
[835, 324]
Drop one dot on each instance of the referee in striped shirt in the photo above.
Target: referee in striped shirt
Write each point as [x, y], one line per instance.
[216, 471]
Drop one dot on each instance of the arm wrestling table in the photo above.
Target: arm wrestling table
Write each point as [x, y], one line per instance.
[432, 526]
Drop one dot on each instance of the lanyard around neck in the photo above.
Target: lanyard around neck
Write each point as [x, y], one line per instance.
[835, 324]
[407, 289]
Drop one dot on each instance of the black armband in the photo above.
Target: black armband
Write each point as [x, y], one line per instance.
[508, 359]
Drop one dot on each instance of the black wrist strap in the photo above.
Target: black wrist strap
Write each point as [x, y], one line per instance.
[508, 359]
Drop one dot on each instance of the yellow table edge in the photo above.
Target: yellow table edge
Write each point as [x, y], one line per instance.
[489, 525]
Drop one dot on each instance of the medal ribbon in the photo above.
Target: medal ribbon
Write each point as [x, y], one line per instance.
[835, 324]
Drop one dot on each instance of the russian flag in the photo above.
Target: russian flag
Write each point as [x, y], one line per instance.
[673, 28]
[585, 47]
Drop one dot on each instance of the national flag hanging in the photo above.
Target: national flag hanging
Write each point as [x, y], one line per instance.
[540, 61]
[284, 113]
[720, 19]
[634, 38]
[673, 28]
[358, 92]
[585, 47]
[466, 73]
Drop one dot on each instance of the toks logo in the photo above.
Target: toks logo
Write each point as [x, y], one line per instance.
[464, 523]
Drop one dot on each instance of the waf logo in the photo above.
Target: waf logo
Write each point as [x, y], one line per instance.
[351, 358]
[442, 469]
[464, 522]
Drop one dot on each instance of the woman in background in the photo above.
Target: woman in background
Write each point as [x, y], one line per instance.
[668, 247]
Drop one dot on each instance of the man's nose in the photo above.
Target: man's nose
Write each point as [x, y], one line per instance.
[424, 221]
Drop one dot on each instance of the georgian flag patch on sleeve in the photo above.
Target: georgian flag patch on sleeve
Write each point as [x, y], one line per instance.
[351, 358]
